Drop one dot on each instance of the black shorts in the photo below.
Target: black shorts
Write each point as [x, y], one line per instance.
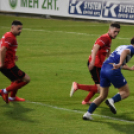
[13, 74]
[95, 73]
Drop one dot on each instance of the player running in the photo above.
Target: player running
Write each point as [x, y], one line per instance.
[100, 51]
[8, 48]
[111, 73]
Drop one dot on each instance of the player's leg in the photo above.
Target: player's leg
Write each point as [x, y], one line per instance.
[17, 85]
[122, 94]
[91, 94]
[18, 78]
[104, 88]
[96, 103]
[88, 87]
[92, 89]
[88, 97]
[119, 82]
[4, 92]
[95, 73]
[26, 78]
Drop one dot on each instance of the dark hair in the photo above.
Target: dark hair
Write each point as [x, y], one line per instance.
[16, 22]
[132, 40]
[115, 25]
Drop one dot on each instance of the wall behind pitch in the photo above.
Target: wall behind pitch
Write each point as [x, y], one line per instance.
[85, 9]
[51, 7]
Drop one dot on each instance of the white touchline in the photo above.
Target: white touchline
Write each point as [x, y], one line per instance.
[85, 34]
[76, 111]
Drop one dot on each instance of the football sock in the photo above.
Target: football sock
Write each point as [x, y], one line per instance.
[13, 93]
[92, 108]
[15, 85]
[87, 87]
[89, 96]
[117, 98]
[5, 91]
[11, 98]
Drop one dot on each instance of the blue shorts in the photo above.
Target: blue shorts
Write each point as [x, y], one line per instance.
[108, 76]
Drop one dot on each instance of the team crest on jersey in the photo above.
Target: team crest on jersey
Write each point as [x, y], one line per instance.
[13, 3]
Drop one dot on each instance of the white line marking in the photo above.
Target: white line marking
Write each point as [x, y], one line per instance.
[37, 30]
[77, 33]
[76, 26]
[76, 111]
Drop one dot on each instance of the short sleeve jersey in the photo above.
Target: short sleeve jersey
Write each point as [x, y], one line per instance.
[9, 41]
[115, 56]
[104, 42]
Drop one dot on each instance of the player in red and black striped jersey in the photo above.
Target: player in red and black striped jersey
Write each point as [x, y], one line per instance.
[104, 42]
[9, 42]
[8, 48]
[100, 51]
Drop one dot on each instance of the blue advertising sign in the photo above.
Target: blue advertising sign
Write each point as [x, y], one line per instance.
[102, 9]
[118, 10]
[89, 8]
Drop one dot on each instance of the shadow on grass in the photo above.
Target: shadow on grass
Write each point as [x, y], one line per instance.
[124, 123]
[119, 126]
[18, 112]
[122, 128]
[126, 115]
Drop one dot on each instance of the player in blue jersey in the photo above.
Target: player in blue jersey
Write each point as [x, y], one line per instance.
[111, 73]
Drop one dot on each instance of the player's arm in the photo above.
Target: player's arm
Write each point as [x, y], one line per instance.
[122, 58]
[126, 67]
[2, 55]
[94, 52]
[16, 58]
[109, 52]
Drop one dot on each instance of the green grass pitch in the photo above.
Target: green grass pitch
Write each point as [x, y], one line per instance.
[54, 53]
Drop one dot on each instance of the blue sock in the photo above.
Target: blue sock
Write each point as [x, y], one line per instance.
[92, 108]
[117, 98]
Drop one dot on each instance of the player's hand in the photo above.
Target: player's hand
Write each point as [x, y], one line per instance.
[90, 67]
[116, 66]
[132, 68]
[1, 66]
[16, 58]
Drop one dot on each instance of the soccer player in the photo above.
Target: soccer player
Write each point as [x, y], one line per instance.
[100, 51]
[111, 73]
[8, 48]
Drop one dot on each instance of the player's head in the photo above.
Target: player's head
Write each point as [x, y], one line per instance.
[132, 41]
[114, 30]
[16, 27]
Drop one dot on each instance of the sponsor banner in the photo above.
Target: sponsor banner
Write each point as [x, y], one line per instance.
[51, 7]
[87, 9]
[104, 10]
[118, 10]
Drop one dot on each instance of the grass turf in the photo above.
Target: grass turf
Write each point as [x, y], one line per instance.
[54, 53]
